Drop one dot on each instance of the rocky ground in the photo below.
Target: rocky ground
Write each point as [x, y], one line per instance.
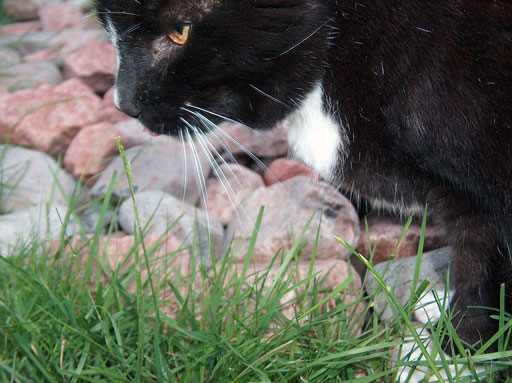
[56, 107]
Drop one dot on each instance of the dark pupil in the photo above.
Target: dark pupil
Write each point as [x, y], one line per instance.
[179, 29]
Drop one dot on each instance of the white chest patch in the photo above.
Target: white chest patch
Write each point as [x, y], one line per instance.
[314, 135]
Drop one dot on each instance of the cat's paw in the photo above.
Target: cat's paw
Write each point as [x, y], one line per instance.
[474, 326]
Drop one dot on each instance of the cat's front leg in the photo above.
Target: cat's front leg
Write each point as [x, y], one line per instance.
[482, 264]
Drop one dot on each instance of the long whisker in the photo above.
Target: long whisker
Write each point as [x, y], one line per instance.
[225, 118]
[270, 97]
[200, 175]
[184, 156]
[114, 13]
[300, 42]
[208, 123]
[224, 181]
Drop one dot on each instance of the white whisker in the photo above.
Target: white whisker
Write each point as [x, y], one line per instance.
[225, 183]
[270, 97]
[184, 156]
[300, 42]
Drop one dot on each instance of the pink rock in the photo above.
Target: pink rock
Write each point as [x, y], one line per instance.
[335, 273]
[285, 168]
[109, 112]
[90, 151]
[262, 143]
[231, 185]
[47, 54]
[66, 42]
[169, 261]
[288, 207]
[133, 134]
[94, 64]
[48, 117]
[20, 28]
[385, 233]
[57, 16]
[4, 94]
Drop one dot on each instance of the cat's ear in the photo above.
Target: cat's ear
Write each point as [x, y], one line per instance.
[179, 33]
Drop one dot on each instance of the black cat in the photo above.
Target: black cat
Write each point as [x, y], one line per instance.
[406, 102]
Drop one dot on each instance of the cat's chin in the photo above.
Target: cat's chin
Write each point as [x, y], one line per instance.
[150, 132]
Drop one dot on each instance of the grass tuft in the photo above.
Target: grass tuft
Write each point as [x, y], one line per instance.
[67, 314]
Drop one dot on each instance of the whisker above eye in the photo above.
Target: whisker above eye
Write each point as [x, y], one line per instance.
[129, 30]
[115, 13]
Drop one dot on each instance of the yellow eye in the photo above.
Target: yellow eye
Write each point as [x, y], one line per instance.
[180, 33]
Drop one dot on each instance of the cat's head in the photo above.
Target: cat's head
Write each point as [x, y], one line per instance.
[248, 60]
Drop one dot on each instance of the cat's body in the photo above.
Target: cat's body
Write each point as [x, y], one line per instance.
[406, 102]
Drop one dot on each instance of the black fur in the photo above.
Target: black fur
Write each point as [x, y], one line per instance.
[422, 87]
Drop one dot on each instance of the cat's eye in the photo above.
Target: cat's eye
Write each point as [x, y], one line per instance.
[180, 33]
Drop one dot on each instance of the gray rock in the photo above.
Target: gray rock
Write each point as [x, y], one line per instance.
[160, 166]
[28, 75]
[398, 275]
[28, 42]
[28, 178]
[91, 217]
[8, 57]
[161, 213]
[33, 225]
[288, 206]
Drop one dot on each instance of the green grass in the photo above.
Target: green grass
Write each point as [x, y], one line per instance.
[67, 316]
[4, 19]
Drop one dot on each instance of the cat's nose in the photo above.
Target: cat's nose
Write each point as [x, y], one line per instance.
[132, 109]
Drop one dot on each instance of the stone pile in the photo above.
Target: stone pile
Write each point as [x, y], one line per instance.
[58, 116]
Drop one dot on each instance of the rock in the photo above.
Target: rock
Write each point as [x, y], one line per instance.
[56, 47]
[283, 169]
[91, 150]
[91, 218]
[28, 75]
[48, 117]
[158, 166]
[94, 64]
[32, 226]
[84, 5]
[334, 271]
[109, 111]
[29, 178]
[169, 261]
[8, 57]
[133, 134]
[20, 28]
[398, 275]
[4, 94]
[385, 232]
[57, 16]
[21, 9]
[288, 206]
[230, 186]
[27, 43]
[237, 139]
[161, 213]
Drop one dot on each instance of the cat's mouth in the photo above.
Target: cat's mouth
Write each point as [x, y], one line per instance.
[190, 119]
